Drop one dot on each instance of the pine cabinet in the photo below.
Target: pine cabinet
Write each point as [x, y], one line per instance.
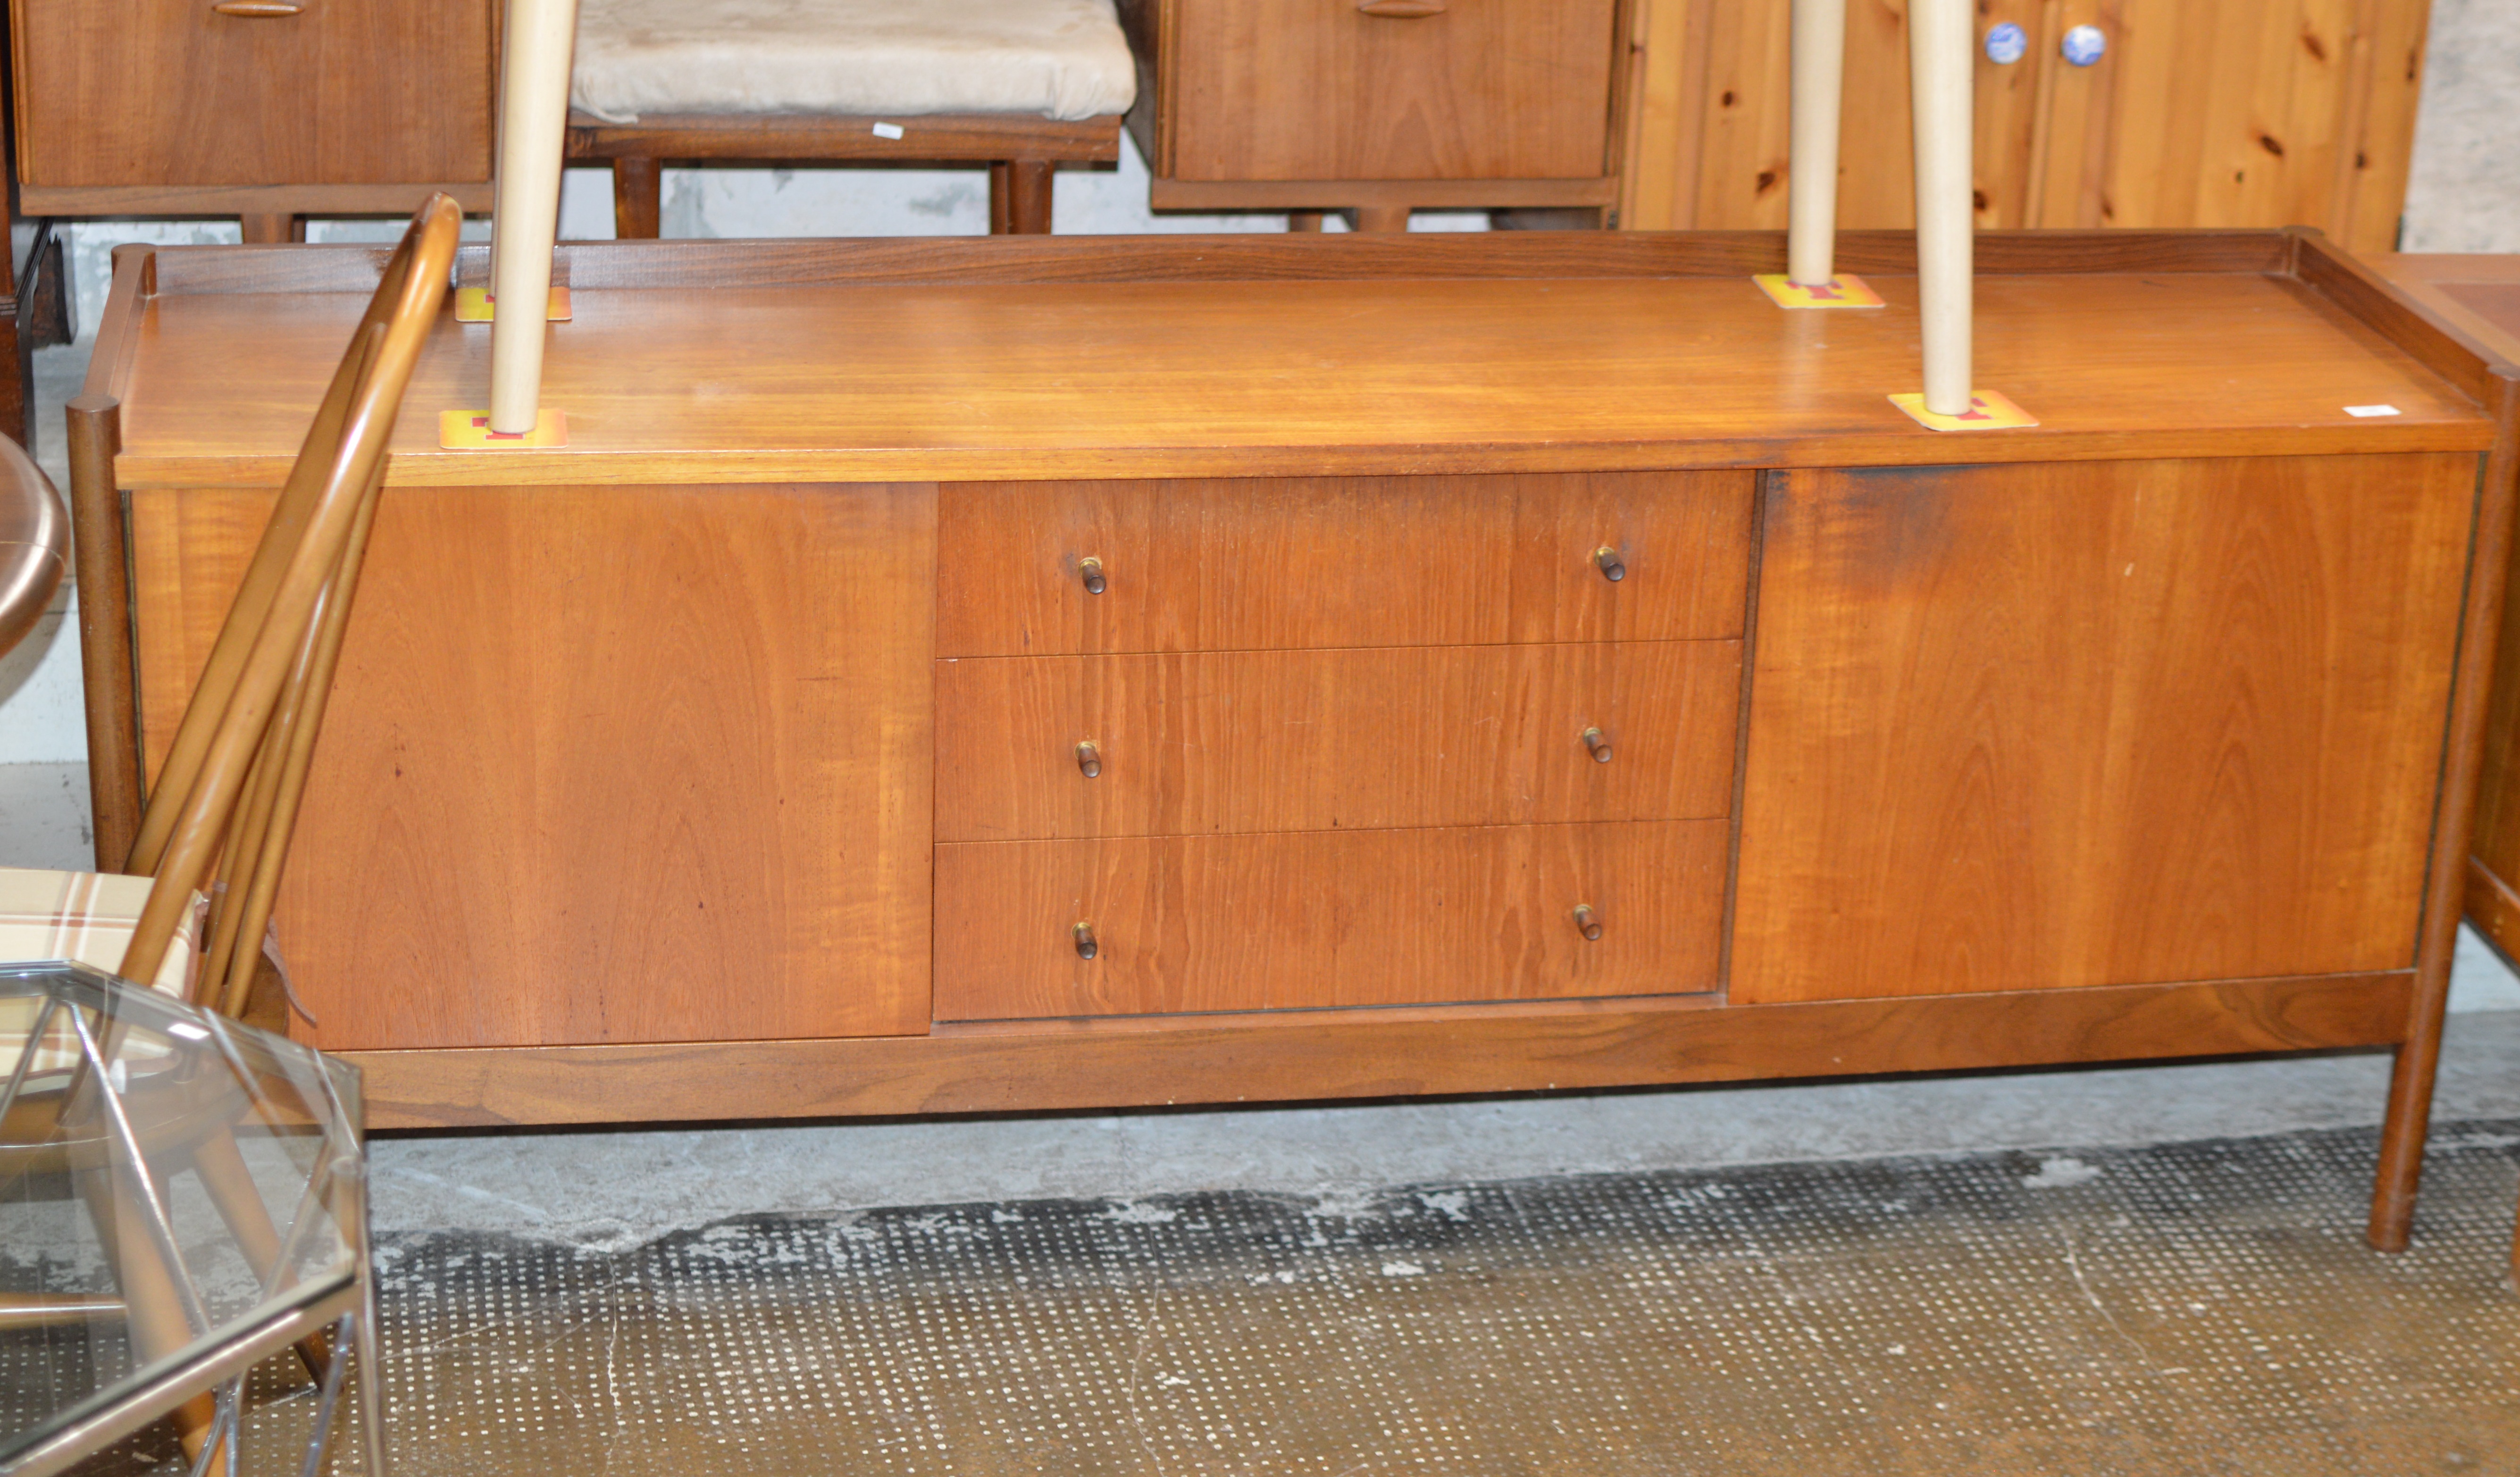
[2198, 112]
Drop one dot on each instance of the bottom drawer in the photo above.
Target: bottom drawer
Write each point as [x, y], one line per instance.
[1381, 918]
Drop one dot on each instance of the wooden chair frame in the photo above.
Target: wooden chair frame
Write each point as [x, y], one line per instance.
[219, 818]
[226, 800]
[1021, 149]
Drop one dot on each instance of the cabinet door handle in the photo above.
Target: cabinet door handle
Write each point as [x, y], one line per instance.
[1088, 759]
[1600, 744]
[1401, 9]
[1612, 568]
[258, 9]
[1089, 570]
[1586, 921]
[1085, 946]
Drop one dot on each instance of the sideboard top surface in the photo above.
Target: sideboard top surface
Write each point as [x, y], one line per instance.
[735, 379]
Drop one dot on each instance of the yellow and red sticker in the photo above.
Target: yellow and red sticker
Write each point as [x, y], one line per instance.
[477, 305]
[1989, 410]
[1836, 293]
[469, 430]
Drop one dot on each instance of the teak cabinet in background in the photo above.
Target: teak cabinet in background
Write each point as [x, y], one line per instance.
[2199, 113]
[1380, 105]
[251, 107]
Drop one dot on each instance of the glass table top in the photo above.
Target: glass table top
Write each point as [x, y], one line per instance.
[181, 1196]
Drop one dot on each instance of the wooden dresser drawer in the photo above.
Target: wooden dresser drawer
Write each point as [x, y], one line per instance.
[1274, 563]
[1189, 744]
[1378, 917]
[172, 92]
[1324, 90]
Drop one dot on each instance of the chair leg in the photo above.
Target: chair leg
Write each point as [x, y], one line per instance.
[1305, 220]
[638, 199]
[1019, 197]
[1383, 217]
[230, 1186]
[154, 1311]
[269, 230]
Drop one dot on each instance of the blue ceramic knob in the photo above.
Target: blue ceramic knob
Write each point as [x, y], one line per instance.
[2084, 45]
[2007, 44]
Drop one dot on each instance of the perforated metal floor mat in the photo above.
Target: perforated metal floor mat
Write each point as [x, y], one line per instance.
[2200, 1308]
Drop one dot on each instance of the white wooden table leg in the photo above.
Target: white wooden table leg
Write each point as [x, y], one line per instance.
[533, 120]
[1939, 66]
[1819, 85]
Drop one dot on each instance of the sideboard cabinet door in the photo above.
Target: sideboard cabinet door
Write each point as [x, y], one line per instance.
[2095, 723]
[172, 92]
[602, 764]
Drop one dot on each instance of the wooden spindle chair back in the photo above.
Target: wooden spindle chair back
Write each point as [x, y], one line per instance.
[219, 818]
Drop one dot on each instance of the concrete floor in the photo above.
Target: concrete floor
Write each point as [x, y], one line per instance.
[2198, 1308]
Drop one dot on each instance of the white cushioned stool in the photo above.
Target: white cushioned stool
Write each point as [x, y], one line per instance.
[1019, 86]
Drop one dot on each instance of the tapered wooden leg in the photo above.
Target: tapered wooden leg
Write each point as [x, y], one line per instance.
[98, 544]
[1383, 217]
[1019, 197]
[271, 229]
[1819, 84]
[1305, 220]
[230, 1186]
[1939, 70]
[638, 199]
[153, 1312]
[2411, 1082]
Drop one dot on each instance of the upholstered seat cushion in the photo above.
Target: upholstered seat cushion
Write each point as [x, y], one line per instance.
[1059, 59]
[82, 916]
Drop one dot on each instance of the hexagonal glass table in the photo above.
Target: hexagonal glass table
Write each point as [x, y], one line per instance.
[181, 1198]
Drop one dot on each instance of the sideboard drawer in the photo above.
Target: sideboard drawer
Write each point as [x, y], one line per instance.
[1382, 917]
[1326, 90]
[1274, 563]
[172, 92]
[1193, 742]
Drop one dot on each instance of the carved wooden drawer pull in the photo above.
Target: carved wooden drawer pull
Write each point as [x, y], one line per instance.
[1085, 946]
[1586, 921]
[1089, 570]
[1088, 759]
[1600, 744]
[258, 9]
[1613, 569]
[1401, 9]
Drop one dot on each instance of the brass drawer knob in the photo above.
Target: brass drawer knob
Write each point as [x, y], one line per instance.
[1089, 570]
[1089, 760]
[1401, 9]
[258, 9]
[1613, 569]
[1600, 744]
[1085, 946]
[1586, 921]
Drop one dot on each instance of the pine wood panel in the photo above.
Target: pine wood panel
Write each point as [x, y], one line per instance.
[601, 766]
[2204, 112]
[1327, 919]
[2020, 728]
[1282, 562]
[167, 92]
[1192, 744]
[1318, 90]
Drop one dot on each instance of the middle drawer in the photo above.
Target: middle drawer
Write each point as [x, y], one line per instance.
[1198, 742]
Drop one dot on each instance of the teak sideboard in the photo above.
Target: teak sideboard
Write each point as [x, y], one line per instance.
[967, 675]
